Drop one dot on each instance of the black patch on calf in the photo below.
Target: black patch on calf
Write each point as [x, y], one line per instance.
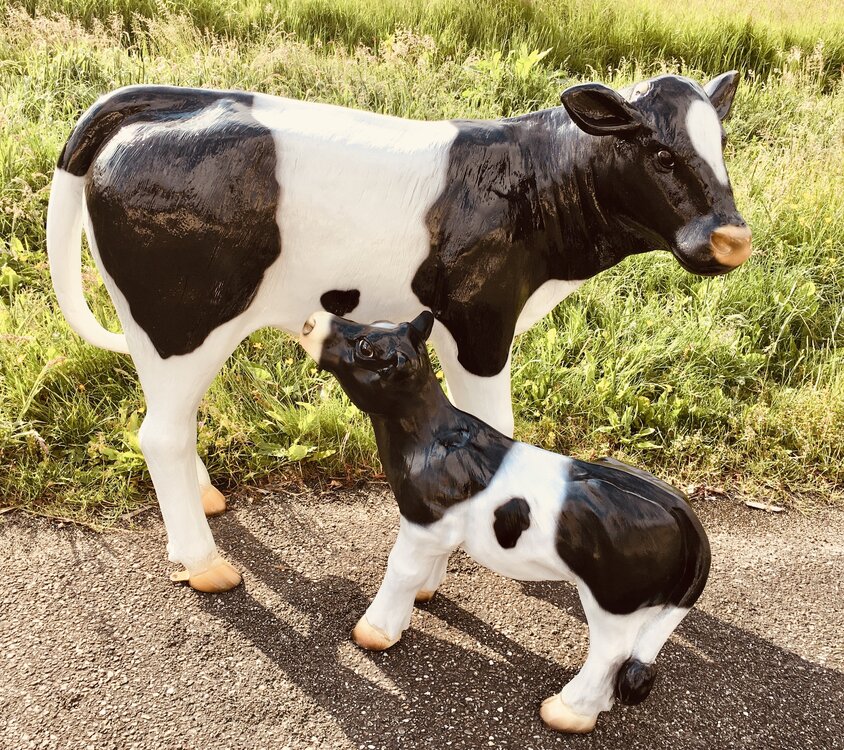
[340, 302]
[511, 519]
[631, 537]
[634, 681]
[184, 212]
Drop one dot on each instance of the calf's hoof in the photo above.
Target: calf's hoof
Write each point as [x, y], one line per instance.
[213, 501]
[219, 576]
[557, 715]
[424, 596]
[371, 638]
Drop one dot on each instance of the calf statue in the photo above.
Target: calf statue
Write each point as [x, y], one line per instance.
[629, 542]
[211, 214]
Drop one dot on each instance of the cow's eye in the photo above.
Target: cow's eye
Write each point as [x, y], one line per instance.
[665, 159]
[364, 349]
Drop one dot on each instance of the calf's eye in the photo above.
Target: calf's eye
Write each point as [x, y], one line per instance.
[665, 159]
[364, 349]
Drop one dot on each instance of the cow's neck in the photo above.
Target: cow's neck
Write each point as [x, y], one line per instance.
[585, 233]
[434, 455]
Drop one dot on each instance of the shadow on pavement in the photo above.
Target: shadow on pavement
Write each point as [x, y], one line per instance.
[719, 686]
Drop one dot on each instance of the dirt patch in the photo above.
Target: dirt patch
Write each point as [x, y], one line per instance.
[98, 650]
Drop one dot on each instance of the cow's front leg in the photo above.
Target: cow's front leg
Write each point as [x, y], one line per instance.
[488, 398]
[413, 562]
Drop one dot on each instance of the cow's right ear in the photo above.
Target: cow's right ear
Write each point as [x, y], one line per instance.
[423, 324]
[599, 110]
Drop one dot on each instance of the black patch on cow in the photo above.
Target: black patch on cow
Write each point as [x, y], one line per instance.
[632, 538]
[511, 519]
[340, 301]
[634, 681]
[530, 199]
[184, 211]
[516, 211]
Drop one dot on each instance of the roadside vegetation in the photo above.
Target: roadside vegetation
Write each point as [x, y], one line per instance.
[734, 383]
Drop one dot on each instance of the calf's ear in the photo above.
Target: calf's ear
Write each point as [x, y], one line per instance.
[422, 324]
[599, 110]
[721, 91]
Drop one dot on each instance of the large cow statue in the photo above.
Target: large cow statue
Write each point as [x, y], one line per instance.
[211, 214]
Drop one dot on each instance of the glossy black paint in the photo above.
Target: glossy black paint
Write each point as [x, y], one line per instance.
[184, 212]
[634, 682]
[511, 519]
[340, 301]
[631, 538]
[433, 454]
[564, 194]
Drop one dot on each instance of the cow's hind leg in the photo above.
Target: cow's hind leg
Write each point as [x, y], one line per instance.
[611, 642]
[213, 501]
[173, 388]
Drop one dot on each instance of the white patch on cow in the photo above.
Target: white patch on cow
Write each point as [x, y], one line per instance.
[704, 129]
[543, 300]
[355, 190]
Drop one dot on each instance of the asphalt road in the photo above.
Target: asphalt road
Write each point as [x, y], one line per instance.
[99, 650]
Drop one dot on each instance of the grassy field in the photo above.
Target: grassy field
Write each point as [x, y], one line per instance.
[734, 383]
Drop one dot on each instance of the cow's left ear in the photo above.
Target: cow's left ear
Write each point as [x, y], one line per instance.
[721, 91]
[423, 324]
[599, 110]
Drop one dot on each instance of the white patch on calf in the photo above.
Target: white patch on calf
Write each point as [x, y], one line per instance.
[704, 129]
[355, 191]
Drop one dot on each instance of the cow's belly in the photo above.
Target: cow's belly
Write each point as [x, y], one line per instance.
[355, 189]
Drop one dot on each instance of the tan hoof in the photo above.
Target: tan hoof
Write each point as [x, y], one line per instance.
[371, 638]
[557, 715]
[213, 501]
[424, 596]
[218, 577]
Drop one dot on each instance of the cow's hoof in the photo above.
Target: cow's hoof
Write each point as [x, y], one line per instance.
[557, 715]
[218, 577]
[213, 501]
[371, 638]
[424, 596]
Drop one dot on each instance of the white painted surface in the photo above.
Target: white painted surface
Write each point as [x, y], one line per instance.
[704, 129]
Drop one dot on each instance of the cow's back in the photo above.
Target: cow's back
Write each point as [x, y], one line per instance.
[355, 191]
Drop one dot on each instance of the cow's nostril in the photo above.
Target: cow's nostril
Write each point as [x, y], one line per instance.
[308, 327]
[731, 245]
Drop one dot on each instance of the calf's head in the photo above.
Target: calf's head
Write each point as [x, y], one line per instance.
[665, 178]
[382, 368]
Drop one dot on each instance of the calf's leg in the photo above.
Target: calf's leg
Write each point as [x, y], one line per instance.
[434, 581]
[413, 561]
[611, 642]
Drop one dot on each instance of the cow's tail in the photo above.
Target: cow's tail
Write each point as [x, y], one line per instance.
[64, 248]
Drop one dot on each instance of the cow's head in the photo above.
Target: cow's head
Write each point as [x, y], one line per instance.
[665, 178]
[382, 368]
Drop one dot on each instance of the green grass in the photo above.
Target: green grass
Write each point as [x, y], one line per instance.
[735, 382]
